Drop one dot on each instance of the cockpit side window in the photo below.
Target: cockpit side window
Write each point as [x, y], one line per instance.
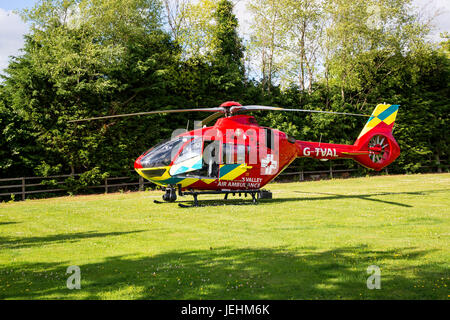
[190, 150]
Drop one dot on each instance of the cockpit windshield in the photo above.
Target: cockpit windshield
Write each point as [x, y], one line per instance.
[162, 154]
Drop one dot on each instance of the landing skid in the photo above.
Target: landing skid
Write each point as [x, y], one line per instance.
[163, 202]
[255, 194]
[160, 202]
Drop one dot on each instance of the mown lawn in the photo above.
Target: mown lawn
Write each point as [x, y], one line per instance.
[314, 240]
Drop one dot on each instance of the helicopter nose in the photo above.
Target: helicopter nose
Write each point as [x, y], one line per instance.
[137, 163]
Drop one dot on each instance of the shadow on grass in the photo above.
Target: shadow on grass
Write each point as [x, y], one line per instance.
[8, 222]
[323, 196]
[26, 242]
[247, 273]
[333, 196]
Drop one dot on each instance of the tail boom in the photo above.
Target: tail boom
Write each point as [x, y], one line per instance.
[327, 151]
[375, 147]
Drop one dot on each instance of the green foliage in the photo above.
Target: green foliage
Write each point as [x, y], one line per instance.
[228, 69]
[92, 177]
[192, 27]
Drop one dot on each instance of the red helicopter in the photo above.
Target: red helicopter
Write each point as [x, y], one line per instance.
[238, 156]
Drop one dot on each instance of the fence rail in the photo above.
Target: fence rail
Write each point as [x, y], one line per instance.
[23, 189]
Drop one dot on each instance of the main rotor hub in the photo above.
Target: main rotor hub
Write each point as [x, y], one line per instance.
[230, 107]
[230, 104]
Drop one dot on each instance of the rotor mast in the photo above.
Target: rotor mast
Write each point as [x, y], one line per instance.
[229, 107]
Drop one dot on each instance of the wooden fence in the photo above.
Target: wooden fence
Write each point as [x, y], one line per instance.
[24, 186]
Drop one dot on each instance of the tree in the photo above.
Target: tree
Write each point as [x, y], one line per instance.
[357, 28]
[228, 55]
[304, 26]
[194, 28]
[176, 15]
[267, 38]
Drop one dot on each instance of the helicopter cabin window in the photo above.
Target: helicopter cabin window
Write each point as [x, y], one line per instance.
[269, 138]
[210, 159]
[235, 153]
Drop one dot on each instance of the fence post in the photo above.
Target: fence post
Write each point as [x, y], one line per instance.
[331, 171]
[106, 185]
[23, 188]
[302, 177]
[141, 183]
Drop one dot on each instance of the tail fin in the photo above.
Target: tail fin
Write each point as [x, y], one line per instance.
[383, 117]
[376, 138]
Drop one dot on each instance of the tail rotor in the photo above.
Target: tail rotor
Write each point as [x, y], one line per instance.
[379, 149]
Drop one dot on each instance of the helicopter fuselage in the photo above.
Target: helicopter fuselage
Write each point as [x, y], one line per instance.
[234, 154]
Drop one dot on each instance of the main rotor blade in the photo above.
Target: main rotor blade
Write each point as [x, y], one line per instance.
[218, 110]
[212, 117]
[255, 107]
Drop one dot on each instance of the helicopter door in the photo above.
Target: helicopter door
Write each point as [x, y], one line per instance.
[211, 159]
[189, 159]
[234, 165]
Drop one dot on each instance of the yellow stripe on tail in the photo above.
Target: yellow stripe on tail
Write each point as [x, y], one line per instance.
[383, 113]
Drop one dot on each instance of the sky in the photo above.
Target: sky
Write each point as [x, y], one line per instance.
[12, 28]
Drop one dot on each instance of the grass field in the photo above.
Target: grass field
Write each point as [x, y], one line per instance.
[314, 240]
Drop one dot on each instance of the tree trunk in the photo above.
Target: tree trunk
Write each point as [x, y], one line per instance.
[438, 162]
[302, 59]
[272, 49]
